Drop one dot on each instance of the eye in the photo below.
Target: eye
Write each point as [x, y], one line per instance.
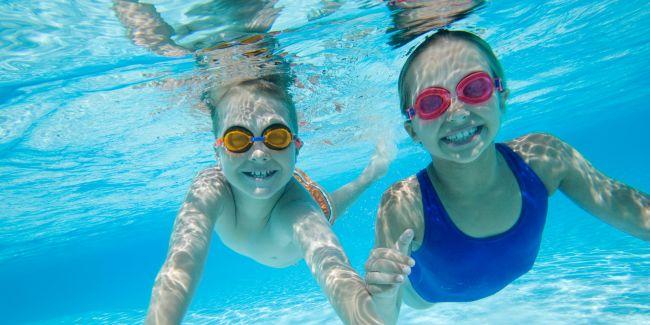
[279, 137]
[430, 103]
[237, 139]
[477, 88]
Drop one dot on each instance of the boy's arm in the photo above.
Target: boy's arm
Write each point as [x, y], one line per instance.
[329, 265]
[146, 28]
[615, 203]
[343, 197]
[188, 249]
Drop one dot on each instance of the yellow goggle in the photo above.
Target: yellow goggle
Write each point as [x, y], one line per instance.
[238, 139]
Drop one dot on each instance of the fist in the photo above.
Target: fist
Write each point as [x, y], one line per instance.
[387, 268]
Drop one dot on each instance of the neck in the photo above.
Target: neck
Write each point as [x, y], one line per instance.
[252, 212]
[466, 179]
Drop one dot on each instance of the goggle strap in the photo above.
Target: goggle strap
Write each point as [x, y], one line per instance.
[299, 143]
[498, 84]
[218, 143]
[411, 113]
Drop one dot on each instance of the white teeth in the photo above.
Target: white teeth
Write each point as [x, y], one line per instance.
[261, 173]
[462, 136]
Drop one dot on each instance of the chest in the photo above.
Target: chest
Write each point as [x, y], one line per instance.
[270, 244]
[491, 213]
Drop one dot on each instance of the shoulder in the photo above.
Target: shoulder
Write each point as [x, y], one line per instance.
[401, 193]
[297, 204]
[209, 190]
[297, 218]
[536, 145]
[546, 154]
[400, 209]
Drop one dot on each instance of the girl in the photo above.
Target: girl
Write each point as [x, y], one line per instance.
[472, 220]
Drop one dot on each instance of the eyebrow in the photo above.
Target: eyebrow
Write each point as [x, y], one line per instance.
[271, 122]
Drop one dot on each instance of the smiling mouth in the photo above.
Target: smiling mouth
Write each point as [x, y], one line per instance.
[260, 174]
[464, 136]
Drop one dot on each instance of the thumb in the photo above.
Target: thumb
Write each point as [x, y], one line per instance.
[404, 241]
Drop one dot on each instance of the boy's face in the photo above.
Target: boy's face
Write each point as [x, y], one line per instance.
[463, 132]
[259, 172]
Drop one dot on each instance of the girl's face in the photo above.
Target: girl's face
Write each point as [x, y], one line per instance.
[259, 172]
[463, 132]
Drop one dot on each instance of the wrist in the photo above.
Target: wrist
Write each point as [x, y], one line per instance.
[384, 299]
[386, 307]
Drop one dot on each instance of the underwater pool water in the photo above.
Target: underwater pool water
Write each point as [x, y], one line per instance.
[100, 138]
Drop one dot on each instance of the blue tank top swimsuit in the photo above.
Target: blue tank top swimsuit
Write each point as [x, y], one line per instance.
[454, 267]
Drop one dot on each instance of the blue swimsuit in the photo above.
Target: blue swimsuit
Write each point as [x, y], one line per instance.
[452, 266]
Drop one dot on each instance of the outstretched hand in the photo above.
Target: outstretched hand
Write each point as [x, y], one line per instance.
[387, 268]
[385, 152]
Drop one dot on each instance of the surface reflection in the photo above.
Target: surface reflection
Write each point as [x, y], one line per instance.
[229, 39]
[412, 18]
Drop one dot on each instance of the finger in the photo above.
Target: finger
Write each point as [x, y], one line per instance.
[376, 278]
[392, 255]
[404, 241]
[380, 252]
[387, 266]
[380, 289]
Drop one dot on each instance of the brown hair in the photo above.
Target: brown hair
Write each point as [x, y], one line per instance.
[482, 45]
[267, 85]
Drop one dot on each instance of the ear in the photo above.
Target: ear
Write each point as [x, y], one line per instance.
[217, 157]
[503, 96]
[299, 145]
[408, 126]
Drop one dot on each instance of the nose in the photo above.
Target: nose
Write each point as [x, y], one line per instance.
[457, 112]
[259, 154]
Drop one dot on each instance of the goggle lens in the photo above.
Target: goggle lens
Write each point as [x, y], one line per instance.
[237, 141]
[278, 139]
[475, 88]
[430, 104]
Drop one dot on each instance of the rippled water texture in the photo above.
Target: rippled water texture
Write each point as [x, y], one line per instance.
[99, 139]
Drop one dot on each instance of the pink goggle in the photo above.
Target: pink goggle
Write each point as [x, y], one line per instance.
[475, 88]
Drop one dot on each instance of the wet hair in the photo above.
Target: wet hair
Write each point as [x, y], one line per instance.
[267, 85]
[483, 46]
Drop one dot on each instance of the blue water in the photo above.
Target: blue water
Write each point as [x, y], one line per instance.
[99, 140]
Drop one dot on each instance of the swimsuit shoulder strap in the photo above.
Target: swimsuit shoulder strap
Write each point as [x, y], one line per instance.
[429, 195]
[526, 176]
[433, 211]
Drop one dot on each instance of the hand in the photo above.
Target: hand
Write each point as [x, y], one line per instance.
[385, 152]
[387, 268]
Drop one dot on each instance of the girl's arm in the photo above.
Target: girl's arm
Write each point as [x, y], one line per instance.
[389, 264]
[330, 266]
[615, 203]
[561, 166]
[188, 249]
